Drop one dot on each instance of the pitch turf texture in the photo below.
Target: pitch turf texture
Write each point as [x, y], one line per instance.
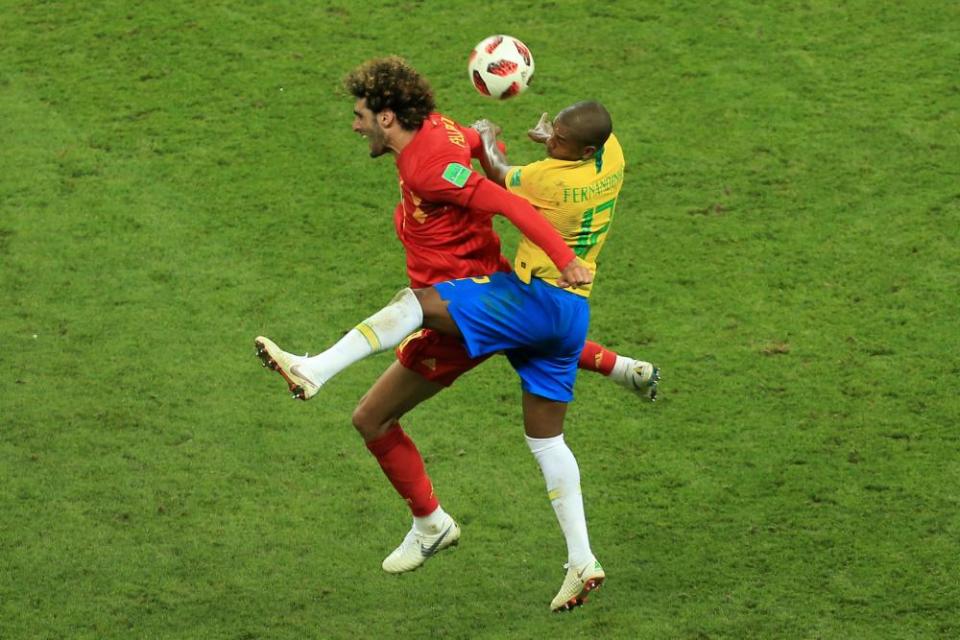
[176, 179]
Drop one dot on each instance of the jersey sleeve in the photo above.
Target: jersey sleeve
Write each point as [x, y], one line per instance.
[447, 180]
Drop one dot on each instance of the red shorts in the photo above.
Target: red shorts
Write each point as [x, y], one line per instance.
[437, 357]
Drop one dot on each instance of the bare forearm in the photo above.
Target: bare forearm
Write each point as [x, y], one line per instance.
[493, 160]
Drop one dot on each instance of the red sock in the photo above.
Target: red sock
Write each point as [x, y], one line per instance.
[403, 466]
[595, 358]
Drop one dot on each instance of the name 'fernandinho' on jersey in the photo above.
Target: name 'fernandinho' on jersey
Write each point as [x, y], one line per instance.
[601, 187]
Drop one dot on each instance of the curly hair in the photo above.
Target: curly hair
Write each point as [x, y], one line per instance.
[391, 83]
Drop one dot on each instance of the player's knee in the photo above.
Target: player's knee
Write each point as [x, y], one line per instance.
[370, 424]
[361, 418]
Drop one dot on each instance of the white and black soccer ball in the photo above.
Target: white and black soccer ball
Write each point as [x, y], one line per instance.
[500, 67]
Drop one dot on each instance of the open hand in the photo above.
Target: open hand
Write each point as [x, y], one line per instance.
[486, 128]
[543, 130]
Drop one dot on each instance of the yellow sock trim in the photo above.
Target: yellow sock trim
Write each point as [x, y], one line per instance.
[370, 336]
[553, 494]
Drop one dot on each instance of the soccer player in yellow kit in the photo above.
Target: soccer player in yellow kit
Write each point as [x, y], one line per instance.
[575, 187]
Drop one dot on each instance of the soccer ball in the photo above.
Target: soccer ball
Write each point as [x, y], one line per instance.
[500, 67]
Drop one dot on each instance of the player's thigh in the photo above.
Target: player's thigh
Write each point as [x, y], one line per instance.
[550, 376]
[542, 417]
[396, 391]
[436, 357]
[435, 313]
[492, 312]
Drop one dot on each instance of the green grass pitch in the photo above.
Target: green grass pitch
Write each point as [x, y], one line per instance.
[178, 177]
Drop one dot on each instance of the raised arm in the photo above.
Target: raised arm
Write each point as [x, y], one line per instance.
[543, 129]
[492, 158]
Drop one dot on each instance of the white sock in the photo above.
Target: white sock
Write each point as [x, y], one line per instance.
[432, 523]
[562, 474]
[383, 330]
[620, 367]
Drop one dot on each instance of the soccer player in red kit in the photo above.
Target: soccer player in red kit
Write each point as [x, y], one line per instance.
[444, 222]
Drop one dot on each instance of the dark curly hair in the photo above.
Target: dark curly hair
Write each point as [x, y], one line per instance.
[391, 83]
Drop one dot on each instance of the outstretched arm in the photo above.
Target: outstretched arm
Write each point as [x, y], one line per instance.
[445, 179]
[491, 198]
[492, 158]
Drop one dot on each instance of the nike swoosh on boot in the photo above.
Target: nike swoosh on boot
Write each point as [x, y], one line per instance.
[432, 549]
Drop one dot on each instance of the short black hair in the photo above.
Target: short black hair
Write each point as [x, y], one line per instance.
[391, 83]
[589, 123]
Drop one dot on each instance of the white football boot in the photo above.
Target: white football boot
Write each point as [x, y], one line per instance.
[417, 547]
[577, 584]
[288, 366]
[638, 376]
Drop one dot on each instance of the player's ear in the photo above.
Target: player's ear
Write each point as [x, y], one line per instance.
[588, 152]
[386, 118]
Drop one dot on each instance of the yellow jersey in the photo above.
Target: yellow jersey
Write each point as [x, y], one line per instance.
[578, 198]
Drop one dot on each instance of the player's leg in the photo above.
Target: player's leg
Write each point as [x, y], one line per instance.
[376, 417]
[498, 312]
[397, 391]
[502, 313]
[548, 380]
[543, 425]
[639, 376]
[436, 315]
[383, 330]
[596, 357]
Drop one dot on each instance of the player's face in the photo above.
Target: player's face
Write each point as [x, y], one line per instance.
[561, 144]
[365, 123]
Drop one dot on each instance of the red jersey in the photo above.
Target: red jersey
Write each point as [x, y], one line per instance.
[444, 238]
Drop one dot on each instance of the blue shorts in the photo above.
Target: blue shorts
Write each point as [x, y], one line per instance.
[540, 327]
